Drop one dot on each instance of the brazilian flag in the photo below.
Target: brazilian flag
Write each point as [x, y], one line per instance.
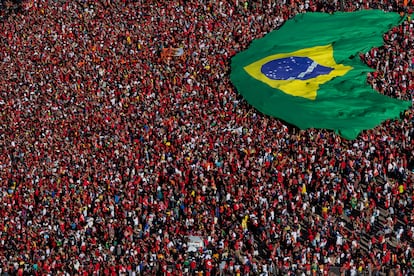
[309, 73]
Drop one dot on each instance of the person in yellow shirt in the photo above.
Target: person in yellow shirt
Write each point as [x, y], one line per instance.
[325, 210]
[401, 188]
[244, 222]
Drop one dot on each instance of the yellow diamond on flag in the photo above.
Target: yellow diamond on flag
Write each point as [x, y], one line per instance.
[298, 73]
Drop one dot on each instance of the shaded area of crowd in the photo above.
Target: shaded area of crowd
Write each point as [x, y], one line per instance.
[111, 156]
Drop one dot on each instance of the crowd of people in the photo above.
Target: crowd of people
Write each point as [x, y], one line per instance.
[112, 155]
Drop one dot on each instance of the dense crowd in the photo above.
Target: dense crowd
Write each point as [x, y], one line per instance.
[112, 156]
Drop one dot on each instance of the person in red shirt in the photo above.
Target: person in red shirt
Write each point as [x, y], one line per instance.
[208, 266]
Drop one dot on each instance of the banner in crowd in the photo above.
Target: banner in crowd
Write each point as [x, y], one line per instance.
[172, 52]
[309, 73]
